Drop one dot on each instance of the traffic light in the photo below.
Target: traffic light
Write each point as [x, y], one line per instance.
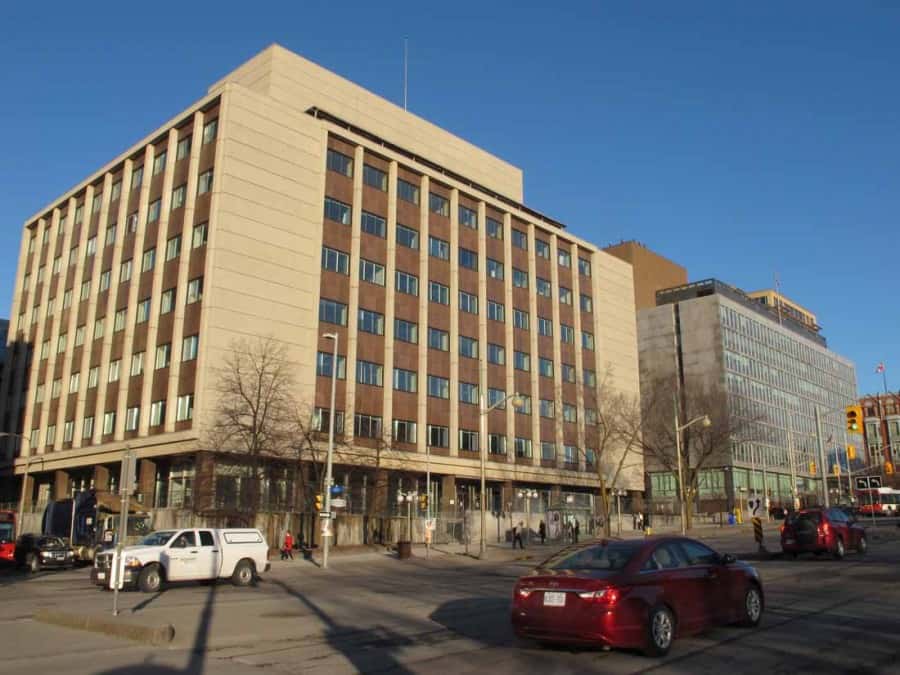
[812, 468]
[836, 469]
[889, 467]
[423, 502]
[851, 452]
[318, 502]
[854, 419]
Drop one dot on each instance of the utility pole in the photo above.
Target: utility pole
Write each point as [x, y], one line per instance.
[328, 530]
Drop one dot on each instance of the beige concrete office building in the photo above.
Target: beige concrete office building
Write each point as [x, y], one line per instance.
[289, 202]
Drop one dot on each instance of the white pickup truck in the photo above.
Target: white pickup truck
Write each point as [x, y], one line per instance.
[186, 555]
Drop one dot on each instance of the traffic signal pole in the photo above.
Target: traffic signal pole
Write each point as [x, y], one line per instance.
[328, 531]
[821, 447]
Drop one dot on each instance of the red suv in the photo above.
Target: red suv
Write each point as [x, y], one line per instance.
[822, 531]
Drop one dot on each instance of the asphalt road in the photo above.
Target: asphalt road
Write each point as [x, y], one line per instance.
[447, 614]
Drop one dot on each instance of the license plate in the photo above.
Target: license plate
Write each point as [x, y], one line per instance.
[101, 576]
[59, 556]
[788, 541]
[554, 599]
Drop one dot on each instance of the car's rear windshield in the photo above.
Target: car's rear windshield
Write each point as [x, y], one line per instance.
[808, 517]
[608, 556]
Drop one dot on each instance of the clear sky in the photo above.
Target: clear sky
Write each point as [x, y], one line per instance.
[739, 139]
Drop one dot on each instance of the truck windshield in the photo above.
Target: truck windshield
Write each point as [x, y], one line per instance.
[158, 538]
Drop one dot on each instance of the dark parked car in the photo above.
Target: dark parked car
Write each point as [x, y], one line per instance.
[823, 531]
[38, 551]
[635, 594]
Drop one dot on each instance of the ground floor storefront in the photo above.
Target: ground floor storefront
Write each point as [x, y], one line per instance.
[371, 505]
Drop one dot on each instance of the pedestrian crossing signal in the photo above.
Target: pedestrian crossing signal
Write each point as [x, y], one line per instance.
[812, 468]
[318, 502]
[851, 452]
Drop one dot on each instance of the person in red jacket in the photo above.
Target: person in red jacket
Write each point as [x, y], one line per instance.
[286, 549]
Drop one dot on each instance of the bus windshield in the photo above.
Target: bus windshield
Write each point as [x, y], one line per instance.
[6, 533]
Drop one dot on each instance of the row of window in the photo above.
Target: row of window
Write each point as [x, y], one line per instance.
[184, 412]
[148, 262]
[189, 347]
[142, 314]
[332, 311]
[183, 149]
[405, 380]
[341, 212]
[406, 431]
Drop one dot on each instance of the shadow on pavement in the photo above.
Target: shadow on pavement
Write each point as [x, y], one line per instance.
[484, 619]
[368, 650]
[197, 661]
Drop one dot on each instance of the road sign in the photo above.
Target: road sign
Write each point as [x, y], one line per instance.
[325, 514]
[866, 482]
[326, 528]
[337, 489]
[755, 506]
[430, 524]
[128, 473]
[338, 502]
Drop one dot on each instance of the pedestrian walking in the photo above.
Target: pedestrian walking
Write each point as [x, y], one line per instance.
[542, 531]
[576, 531]
[519, 536]
[286, 548]
[634, 521]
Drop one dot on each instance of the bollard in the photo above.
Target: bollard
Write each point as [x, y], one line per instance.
[758, 533]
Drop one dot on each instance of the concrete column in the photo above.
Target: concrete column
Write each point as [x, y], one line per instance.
[60, 485]
[448, 493]
[147, 482]
[507, 495]
[101, 478]
[379, 493]
[28, 489]
[556, 497]
[204, 481]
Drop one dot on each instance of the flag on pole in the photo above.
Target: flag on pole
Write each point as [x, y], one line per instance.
[880, 367]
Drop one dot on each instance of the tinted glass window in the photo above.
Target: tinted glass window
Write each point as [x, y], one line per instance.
[698, 554]
[50, 542]
[206, 538]
[605, 556]
[836, 516]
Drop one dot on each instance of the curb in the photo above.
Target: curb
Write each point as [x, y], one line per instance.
[152, 635]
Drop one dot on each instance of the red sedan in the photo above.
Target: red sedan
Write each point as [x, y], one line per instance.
[635, 594]
[822, 531]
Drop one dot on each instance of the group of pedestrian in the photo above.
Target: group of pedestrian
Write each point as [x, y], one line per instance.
[573, 531]
[517, 537]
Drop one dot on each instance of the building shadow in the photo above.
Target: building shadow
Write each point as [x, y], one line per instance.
[368, 650]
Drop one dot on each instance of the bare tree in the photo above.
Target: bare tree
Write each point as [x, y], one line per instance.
[253, 424]
[613, 432]
[701, 446]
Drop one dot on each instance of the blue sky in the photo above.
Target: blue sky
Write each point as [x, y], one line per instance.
[741, 141]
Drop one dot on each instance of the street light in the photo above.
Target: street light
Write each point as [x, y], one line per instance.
[619, 493]
[326, 531]
[706, 422]
[517, 402]
[28, 458]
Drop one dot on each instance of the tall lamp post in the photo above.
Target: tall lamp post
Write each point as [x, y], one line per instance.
[484, 410]
[706, 422]
[28, 459]
[327, 531]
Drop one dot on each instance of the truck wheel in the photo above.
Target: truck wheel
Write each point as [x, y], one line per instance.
[32, 563]
[244, 573]
[150, 579]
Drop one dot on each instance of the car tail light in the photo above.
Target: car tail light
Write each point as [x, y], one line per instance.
[783, 528]
[605, 596]
[824, 530]
[522, 593]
